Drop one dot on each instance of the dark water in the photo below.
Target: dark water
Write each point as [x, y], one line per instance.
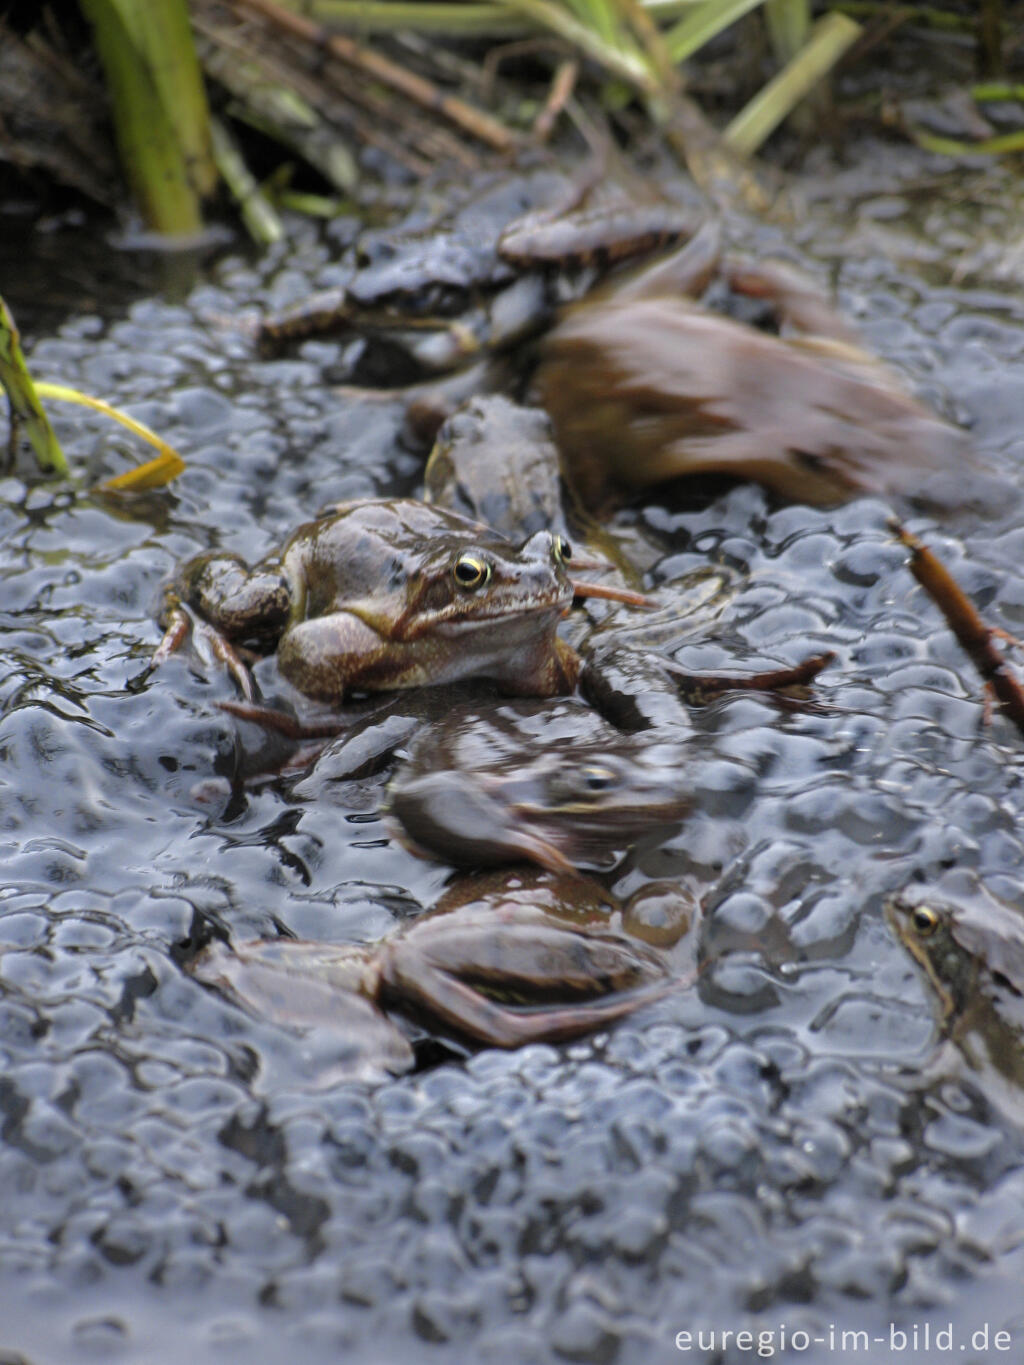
[760, 1154]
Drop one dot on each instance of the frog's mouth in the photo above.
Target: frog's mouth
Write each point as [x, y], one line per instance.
[456, 621]
[459, 619]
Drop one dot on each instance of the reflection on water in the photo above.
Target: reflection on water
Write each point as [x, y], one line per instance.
[752, 1152]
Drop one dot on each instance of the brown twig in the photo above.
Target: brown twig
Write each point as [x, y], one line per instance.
[977, 639]
[562, 87]
[698, 688]
[408, 83]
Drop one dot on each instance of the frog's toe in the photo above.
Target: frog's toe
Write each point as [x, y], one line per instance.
[178, 623]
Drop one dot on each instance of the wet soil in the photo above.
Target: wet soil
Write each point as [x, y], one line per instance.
[763, 1152]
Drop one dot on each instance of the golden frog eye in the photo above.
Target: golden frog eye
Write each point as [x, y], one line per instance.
[924, 919]
[471, 571]
[563, 550]
[596, 779]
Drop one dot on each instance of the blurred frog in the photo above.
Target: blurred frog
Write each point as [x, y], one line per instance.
[550, 783]
[644, 384]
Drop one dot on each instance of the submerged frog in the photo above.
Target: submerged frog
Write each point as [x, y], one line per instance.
[494, 461]
[391, 593]
[551, 784]
[971, 949]
[529, 958]
[645, 385]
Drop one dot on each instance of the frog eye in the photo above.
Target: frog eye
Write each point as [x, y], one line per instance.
[471, 571]
[563, 550]
[924, 919]
[595, 778]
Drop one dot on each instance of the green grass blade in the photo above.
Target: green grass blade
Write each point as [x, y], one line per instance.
[627, 63]
[154, 473]
[991, 92]
[753, 124]
[698, 28]
[989, 146]
[385, 16]
[257, 212]
[789, 25]
[23, 398]
[159, 107]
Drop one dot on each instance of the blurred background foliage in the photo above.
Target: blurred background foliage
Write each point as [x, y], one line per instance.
[182, 106]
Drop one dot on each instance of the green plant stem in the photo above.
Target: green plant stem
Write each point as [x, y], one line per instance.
[25, 406]
[257, 213]
[924, 15]
[159, 105]
[990, 146]
[752, 125]
[492, 19]
[991, 92]
[699, 27]
[626, 62]
[789, 24]
[384, 16]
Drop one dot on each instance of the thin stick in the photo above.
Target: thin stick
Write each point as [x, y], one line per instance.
[698, 688]
[562, 87]
[977, 639]
[415, 88]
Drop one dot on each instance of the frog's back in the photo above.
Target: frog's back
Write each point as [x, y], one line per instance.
[372, 548]
[495, 461]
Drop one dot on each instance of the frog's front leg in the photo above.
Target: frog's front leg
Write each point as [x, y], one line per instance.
[222, 602]
[327, 657]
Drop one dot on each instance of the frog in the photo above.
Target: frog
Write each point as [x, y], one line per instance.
[527, 958]
[969, 944]
[495, 460]
[549, 783]
[438, 298]
[384, 594]
[644, 384]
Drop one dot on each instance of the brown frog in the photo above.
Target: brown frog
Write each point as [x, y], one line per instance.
[971, 950]
[644, 385]
[528, 958]
[392, 593]
[552, 784]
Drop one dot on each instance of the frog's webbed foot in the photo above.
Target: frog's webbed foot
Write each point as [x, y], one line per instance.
[321, 991]
[582, 982]
[210, 643]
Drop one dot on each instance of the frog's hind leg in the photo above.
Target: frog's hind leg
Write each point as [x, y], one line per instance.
[412, 980]
[472, 1014]
[687, 271]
